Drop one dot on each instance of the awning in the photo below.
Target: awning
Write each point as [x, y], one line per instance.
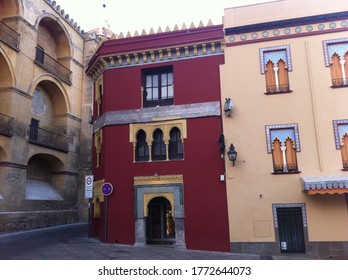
[336, 184]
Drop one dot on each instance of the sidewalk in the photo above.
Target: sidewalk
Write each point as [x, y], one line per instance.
[71, 242]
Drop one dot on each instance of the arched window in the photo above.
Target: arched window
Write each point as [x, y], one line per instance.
[283, 144]
[158, 146]
[175, 144]
[270, 77]
[142, 149]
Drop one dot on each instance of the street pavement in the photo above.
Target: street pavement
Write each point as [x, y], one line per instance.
[71, 242]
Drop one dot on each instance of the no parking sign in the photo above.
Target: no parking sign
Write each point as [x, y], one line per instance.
[107, 189]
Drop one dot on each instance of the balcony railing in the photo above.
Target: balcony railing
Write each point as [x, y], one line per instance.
[339, 82]
[6, 125]
[49, 139]
[9, 36]
[278, 88]
[281, 168]
[52, 65]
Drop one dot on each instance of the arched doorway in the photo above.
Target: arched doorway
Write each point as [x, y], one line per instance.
[160, 225]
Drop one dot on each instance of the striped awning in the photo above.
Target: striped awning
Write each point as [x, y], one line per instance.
[336, 184]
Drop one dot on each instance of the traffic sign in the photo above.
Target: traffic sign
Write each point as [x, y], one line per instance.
[89, 186]
[107, 189]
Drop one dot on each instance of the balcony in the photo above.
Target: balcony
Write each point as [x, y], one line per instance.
[284, 169]
[278, 89]
[6, 125]
[9, 36]
[53, 66]
[343, 82]
[49, 139]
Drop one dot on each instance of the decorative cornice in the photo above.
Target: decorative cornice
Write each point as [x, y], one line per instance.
[307, 26]
[66, 17]
[158, 180]
[144, 115]
[150, 56]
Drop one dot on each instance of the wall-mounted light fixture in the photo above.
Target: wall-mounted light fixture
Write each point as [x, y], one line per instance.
[221, 147]
[232, 154]
[228, 107]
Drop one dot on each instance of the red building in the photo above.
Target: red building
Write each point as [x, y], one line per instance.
[157, 123]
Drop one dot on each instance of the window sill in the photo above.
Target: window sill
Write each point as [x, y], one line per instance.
[339, 86]
[278, 92]
[344, 169]
[286, 173]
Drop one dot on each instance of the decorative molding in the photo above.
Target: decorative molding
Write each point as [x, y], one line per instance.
[340, 46]
[293, 126]
[145, 115]
[286, 29]
[340, 128]
[158, 180]
[285, 55]
[145, 57]
[287, 205]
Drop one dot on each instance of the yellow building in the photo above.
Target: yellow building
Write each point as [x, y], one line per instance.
[45, 101]
[286, 73]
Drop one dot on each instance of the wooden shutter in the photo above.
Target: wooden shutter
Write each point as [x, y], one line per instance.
[278, 164]
[283, 76]
[336, 70]
[344, 151]
[290, 155]
[270, 77]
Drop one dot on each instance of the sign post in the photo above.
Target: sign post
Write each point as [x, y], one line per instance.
[107, 189]
[89, 180]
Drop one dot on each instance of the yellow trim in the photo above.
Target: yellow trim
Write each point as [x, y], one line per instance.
[149, 196]
[158, 180]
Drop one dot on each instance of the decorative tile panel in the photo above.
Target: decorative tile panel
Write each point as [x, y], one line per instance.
[287, 205]
[274, 54]
[282, 132]
[340, 129]
[339, 46]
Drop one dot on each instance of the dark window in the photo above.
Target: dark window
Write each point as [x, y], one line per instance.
[158, 146]
[291, 234]
[142, 149]
[175, 144]
[159, 89]
[34, 130]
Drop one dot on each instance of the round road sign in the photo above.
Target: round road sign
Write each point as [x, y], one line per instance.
[107, 189]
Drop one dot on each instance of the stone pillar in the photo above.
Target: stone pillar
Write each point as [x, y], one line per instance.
[140, 232]
[180, 234]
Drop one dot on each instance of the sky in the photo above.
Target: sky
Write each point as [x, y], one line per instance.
[131, 15]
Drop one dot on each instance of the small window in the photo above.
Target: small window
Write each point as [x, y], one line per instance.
[175, 144]
[142, 148]
[158, 146]
[158, 88]
[336, 57]
[283, 144]
[341, 135]
[275, 65]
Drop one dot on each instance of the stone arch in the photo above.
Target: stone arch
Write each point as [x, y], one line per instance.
[9, 8]
[60, 94]
[42, 183]
[51, 24]
[7, 77]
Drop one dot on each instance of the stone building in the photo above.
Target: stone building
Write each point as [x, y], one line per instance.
[44, 109]
[286, 73]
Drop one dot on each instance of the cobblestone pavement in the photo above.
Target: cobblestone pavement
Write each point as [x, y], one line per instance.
[71, 242]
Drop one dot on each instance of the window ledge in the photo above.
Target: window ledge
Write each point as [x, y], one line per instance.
[286, 173]
[344, 169]
[278, 92]
[339, 86]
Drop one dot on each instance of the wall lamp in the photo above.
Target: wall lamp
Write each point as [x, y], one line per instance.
[221, 147]
[228, 107]
[232, 154]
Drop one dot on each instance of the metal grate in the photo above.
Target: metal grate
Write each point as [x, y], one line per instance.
[291, 234]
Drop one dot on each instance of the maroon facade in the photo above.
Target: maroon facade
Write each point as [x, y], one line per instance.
[196, 82]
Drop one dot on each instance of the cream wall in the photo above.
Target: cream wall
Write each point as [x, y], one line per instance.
[312, 104]
[279, 10]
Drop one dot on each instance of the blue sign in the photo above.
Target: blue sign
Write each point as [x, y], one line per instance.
[107, 189]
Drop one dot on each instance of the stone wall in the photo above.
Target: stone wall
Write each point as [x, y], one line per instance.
[21, 221]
